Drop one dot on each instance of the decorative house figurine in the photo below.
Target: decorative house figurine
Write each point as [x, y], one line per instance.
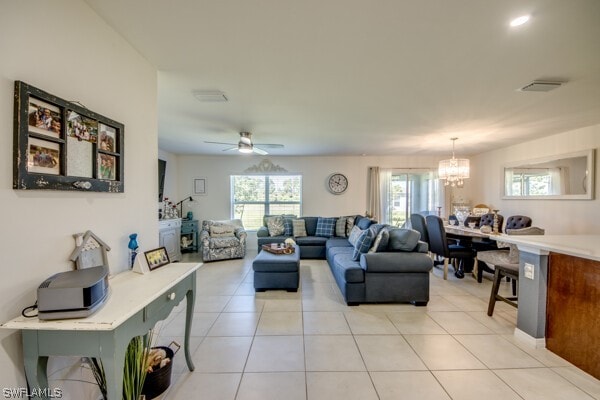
[90, 251]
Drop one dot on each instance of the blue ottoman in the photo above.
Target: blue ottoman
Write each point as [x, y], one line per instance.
[276, 271]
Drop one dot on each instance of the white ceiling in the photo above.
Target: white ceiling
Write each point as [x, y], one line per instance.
[382, 77]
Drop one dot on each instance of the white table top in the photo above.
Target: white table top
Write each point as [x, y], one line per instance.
[129, 292]
[584, 246]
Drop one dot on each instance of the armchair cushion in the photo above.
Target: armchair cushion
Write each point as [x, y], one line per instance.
[224, 242]
[221, 230]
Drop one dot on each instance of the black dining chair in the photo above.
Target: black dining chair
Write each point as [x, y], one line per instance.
[417, 221]
[438, 244]
[517, 222]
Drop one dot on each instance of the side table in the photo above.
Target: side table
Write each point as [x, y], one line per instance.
[189, 230]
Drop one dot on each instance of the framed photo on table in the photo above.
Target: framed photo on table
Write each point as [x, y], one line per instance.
[156, 258]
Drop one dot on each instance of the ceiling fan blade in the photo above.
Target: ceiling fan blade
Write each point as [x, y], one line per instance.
[270, 145]
[230, 144]
[259, 151]
[232, 148]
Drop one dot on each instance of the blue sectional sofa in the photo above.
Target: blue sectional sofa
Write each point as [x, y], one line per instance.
[396, 271]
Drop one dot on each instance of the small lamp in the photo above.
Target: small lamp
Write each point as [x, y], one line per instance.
[180, 204]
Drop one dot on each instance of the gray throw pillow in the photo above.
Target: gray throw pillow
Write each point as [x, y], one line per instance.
[349, 224]
[299, 227]
[340, 227]
[403, 239]
[275, 225]
[381, 241]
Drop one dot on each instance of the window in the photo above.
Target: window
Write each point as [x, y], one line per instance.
[407, 192]
[254, 196]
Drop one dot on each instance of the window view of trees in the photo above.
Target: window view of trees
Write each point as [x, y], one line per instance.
[409, 193]
[531, 184]
[254, 196]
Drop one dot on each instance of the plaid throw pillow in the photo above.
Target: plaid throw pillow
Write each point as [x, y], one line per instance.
[354, 234]
[363, 243]
[288, 227]
[325, 227]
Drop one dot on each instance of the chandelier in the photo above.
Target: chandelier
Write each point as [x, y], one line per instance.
[454, 170]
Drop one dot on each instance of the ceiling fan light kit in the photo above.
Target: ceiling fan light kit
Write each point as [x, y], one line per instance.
[246, 146]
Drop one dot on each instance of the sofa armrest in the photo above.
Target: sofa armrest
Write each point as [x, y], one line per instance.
[396, 262]
[263, 231]
[241, 234]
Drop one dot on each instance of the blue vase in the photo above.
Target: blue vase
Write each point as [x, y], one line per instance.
[133, 248]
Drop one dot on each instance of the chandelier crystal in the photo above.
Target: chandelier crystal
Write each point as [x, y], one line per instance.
[455, 170]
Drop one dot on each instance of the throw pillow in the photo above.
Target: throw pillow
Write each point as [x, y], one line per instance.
[288, 227]
[363, 243]
[403, 239]
[299, 227]
[267, 216]
[354, 234]
[218, 230]
[325, 227]
[381, 241]
[340, 227]
[364, 223]
[349, 224]
[275, 225]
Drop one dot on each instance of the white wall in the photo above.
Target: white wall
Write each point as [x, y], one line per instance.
[316, 200]
[64, 48]
[556, 216]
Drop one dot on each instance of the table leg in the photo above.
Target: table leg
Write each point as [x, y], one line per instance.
[113, 361]
[35, 366]
[189, 315]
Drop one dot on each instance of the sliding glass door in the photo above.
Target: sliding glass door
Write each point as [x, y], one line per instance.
[410, 191]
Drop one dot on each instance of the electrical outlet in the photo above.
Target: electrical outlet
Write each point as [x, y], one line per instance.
[528, 270]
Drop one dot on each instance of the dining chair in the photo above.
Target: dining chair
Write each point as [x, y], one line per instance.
[438, 244]
[506, 264]
[417, 221]
[488, 219]
[517, 222]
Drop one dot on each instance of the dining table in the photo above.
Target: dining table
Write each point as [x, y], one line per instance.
[467, 235]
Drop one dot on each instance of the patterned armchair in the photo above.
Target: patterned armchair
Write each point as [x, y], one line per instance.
[223, 240]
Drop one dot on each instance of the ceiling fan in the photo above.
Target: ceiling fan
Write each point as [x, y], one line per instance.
[245, 145]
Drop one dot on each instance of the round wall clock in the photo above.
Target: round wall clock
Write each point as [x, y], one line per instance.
[337, 183]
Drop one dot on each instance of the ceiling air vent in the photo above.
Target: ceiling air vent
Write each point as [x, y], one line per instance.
[541, 86]
[211, 96]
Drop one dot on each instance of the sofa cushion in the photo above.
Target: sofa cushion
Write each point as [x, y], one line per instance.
[311, 241]
[288, 227]
[275, 225]
[337, 242]
[403, 239]
[364, 223]
[344, 265]
[363, 243]
[224, 242]
[299, 227]
[340, 227]
[381, 241]
[333, 251]
[354, 234]
[325, 227]
[311, 225]
[221, 230]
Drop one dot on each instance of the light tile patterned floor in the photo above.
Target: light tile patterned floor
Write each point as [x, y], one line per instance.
[310, 345]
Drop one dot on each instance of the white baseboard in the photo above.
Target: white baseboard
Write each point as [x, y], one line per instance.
[530, 340]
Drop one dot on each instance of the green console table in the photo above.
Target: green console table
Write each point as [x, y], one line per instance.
[135, 304]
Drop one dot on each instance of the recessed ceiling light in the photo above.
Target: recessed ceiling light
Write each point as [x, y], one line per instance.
[210, 95]
[519, 20]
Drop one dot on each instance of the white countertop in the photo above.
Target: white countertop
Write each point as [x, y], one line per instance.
[584, 246]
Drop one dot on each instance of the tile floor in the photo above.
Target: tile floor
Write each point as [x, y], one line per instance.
[310, 345]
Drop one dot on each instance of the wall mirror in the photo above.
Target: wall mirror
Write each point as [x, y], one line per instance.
[564, 176]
